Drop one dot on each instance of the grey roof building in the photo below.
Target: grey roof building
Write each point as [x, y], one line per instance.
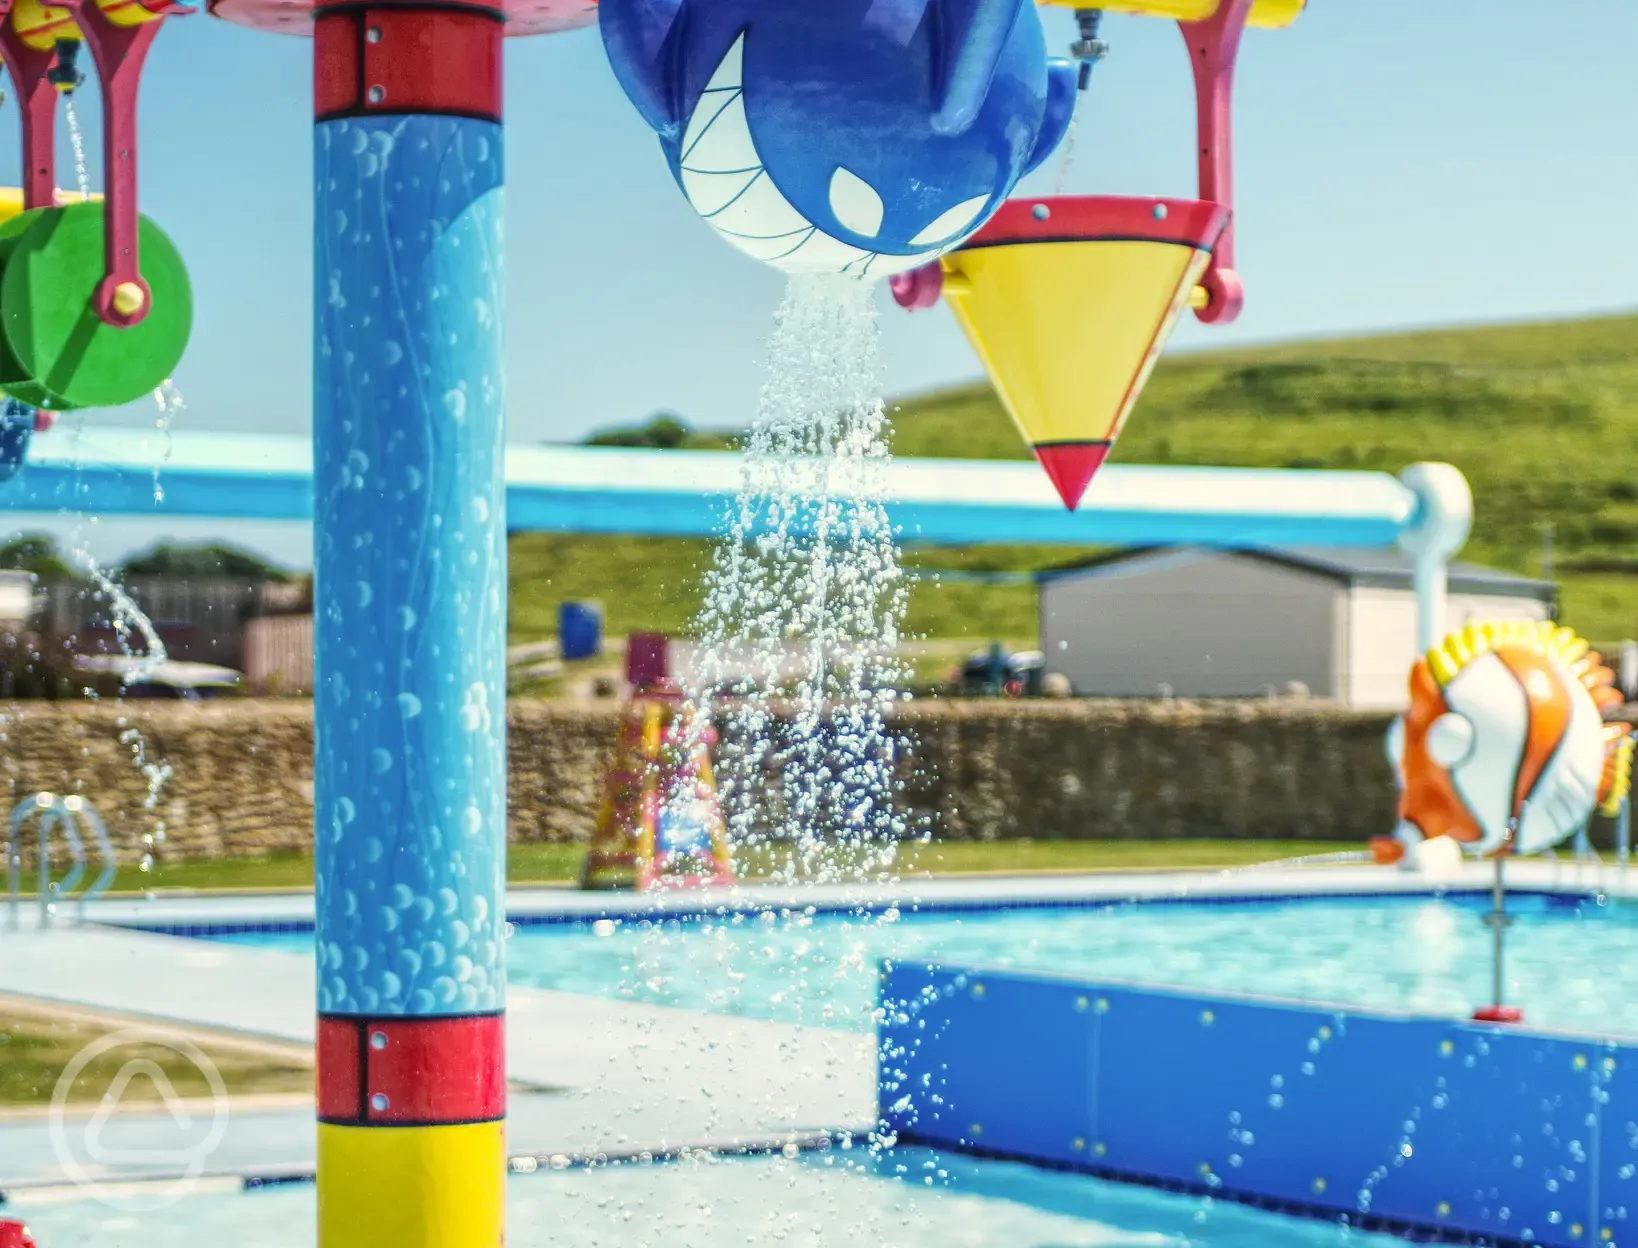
[1200, 622]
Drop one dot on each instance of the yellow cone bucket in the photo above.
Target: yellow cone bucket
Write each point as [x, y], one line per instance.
[1068, 301]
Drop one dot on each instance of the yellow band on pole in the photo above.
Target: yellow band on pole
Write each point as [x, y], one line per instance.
[1265, 13]
[412, 1187]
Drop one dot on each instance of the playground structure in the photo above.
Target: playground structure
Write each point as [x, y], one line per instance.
[660, 823]
[1099, 282]
[1096, 281]
[842, 139]
[1504, 749]
[95, 303]
[817, 142]
[1426, 511]
[1505, 752]
[410, 762]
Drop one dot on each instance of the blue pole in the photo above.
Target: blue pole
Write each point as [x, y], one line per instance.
[410, 629]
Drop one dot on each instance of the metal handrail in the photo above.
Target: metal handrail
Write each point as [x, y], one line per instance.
[67, 813]
[1623, 833]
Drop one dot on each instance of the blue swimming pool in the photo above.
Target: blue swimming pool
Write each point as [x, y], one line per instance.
[914, 1199]
[1573, 962]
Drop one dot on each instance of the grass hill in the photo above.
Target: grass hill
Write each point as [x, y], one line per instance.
[1542, 418]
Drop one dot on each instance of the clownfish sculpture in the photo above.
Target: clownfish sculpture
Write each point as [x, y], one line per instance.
[865, 137]
[1504, 749]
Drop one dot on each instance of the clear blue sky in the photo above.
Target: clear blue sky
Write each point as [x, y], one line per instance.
[1400, 163]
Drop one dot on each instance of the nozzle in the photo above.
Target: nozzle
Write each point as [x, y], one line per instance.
[1088, 49]
[65, 73]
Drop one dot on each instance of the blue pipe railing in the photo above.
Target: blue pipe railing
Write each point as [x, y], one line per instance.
[685, 493]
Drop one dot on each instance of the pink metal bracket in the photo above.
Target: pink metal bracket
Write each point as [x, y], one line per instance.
[123, 296]
[919, 288]
[1214, 43]
[37, 102]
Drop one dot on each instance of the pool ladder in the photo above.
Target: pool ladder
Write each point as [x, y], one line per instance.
[70, 815]
[1583, 855]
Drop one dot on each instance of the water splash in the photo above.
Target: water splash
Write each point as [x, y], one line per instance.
[76, 140]
[128, 618]
[1066, 162]
[804, 601]
[157, 772]
[125, 615]
[171, 404]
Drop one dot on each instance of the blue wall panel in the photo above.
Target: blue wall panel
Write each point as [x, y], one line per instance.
[1615, 1168]
[1450, 1126]
[1043, 1107]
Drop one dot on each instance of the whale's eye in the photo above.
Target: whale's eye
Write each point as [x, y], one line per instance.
[957, 220]
[855, 203]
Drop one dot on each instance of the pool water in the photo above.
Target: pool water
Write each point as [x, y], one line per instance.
[913, 1199]
[1571, 963]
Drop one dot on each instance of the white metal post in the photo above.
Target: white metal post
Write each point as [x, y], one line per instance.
[1443, 520]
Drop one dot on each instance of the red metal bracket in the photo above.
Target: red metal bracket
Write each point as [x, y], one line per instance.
[1214, 44]
[37, 102]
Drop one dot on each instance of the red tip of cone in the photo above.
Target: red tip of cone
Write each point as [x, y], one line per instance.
[1071, 465]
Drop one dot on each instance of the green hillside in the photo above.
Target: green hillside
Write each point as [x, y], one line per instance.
[1539, 417]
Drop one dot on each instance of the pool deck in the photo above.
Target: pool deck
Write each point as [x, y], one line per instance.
[623, 1076]
[629, 1076]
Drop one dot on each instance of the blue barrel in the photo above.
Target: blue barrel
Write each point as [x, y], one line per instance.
[580, 630]
[16, 428]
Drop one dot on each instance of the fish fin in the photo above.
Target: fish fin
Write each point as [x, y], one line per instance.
[1062, 89]
[1616, 782]
[968, 39]
[1386, 850]
[643, 39]
[1598, 680]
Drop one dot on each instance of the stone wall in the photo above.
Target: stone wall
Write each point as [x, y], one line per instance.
[1140, 770]
[241, 776]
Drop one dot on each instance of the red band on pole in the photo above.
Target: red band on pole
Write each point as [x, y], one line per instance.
[412, 1071]
[436, 58]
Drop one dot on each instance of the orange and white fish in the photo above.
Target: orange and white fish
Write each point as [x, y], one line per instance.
[1504, 749]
